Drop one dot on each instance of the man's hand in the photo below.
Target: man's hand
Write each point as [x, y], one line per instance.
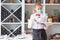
[34, 20]
[43, 24]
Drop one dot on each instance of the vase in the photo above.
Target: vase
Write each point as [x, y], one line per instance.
[11, 1]
[52, 1]
[29, 1]
[58, 1]
[38, 1]
[55, 18]
[49, 20]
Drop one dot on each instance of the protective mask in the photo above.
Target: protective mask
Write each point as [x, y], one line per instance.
[39, 12]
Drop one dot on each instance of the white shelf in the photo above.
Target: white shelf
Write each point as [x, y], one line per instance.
[51, 4]
[15, 1]
[11, 3]
[56, 23]
[48, 23]
[30, 4]
[11, 23]
[42, 4]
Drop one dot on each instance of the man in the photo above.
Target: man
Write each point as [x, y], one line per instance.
[37, 20]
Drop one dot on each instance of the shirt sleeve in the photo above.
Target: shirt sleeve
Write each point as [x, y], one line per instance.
[30, 23]
[31, 17]
[46, 18]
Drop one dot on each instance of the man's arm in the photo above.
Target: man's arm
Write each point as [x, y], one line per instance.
[43, 24]
[31, 22]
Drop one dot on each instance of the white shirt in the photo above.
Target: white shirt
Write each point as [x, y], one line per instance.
[37, 24]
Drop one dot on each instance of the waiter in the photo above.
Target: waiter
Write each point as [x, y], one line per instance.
[36, 23]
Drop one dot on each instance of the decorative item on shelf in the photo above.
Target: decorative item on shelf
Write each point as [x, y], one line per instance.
[55, 18]
[49, 19]
[11, 1]
[38, 1]
[9, 20]
[58, 1]
[28, 1]
[12, 20]
[47, 1]
[12, 10]
[52, 1]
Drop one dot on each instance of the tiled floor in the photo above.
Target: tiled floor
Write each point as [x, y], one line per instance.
[27, 37]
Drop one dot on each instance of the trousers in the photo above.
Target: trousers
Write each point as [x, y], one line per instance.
[39, 34]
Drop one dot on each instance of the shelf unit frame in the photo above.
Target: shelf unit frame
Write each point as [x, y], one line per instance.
[23, 4]
[22, 21]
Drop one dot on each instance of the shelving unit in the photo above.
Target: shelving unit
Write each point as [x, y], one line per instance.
[17, 13]
[12, 17]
